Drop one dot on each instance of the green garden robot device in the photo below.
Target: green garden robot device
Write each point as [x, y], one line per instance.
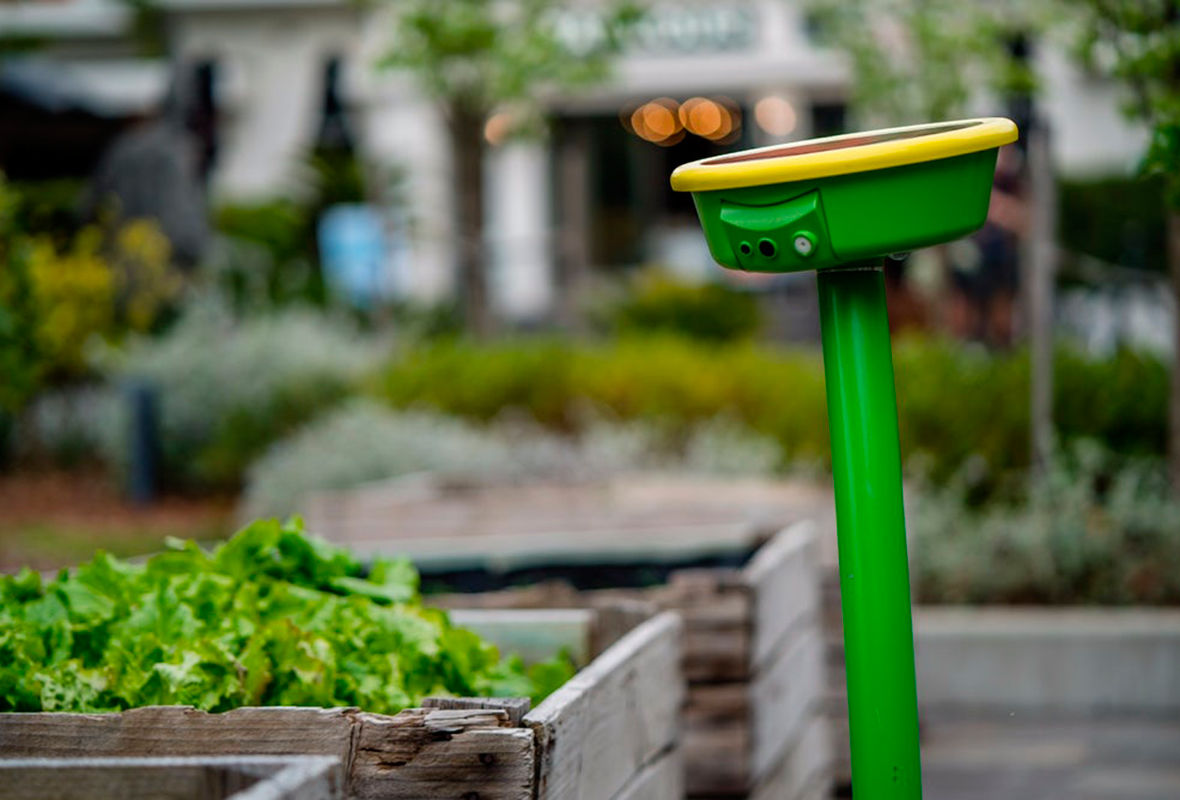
[840, 205]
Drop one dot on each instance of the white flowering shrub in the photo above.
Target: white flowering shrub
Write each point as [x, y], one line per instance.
[1094, 531]
[227, 388]
[363, 442]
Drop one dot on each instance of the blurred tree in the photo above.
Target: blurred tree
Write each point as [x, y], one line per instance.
[1138, 43]
[918, 61]
[476, 57]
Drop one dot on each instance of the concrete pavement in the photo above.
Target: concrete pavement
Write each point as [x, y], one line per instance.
[1018, 758]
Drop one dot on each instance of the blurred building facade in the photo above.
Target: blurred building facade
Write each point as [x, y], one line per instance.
[592, 195]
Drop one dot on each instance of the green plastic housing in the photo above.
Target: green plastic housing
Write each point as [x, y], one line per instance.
[847, 219]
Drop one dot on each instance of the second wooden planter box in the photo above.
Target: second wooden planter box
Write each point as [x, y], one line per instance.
[754, 660]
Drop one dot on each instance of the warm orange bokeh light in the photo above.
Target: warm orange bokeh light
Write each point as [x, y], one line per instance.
[663, 121]
[497, 128]
[775, 115]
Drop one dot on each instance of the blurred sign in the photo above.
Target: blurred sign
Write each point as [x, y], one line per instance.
[668, 28]
[353, 253]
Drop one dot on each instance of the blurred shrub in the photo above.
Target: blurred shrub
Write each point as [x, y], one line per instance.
[73, 298]
[96, 288]
[363, 442]
[1097, 530]
[230, 387]
[50, 207]
[1119, 220]
[279, 226]
[1121, 401]
[673, 382]
[955, 402]
[656, 303]
[20, 361]
[267, 256]
[68, 427]
[58, 294]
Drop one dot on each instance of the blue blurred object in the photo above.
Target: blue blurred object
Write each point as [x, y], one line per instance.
[353, 253]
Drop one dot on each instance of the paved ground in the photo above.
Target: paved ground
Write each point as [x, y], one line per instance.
[1019, 759]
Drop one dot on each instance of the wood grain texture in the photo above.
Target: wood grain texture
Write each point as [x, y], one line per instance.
[612, 718]
[805, 771]
[783, 697]
[783, 578]
[735, 733]
[514, 707]
[423, 753]
[662, 779]
[181, 731]
[416, 753]
[191, 778]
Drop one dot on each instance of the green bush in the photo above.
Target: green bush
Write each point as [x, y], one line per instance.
[955, 402]
[229, 388]
[1097, 529]
[674, 382]
[1119, 220]
[711, 311]
[268, 257]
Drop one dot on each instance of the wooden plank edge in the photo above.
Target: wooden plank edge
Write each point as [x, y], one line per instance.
[577, 724]
[783, 579]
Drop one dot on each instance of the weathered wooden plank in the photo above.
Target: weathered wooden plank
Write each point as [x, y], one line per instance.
[805, 770]
[195, 778]
[423, 753]
[663, 779]
[717, 760]
[734, 733]
[715, 605]
[613, 717]
[783, 580]
[416, 753]
[305, 778]
[514, 707]
[782, 697]
[180, 731]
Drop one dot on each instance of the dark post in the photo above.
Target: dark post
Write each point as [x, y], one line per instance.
[143, 442]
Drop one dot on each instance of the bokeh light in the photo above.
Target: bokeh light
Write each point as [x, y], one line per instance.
[498, 127]
[775, 115]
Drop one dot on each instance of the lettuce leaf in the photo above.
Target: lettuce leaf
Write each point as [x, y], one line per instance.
[271, 617]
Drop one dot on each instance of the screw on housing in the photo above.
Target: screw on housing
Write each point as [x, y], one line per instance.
[840, 205]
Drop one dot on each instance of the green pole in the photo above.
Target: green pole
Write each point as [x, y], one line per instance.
[874, 572]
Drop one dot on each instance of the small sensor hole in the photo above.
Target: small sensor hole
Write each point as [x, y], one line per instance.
[767, 248]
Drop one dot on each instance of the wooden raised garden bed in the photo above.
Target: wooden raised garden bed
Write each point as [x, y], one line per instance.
[754, 723]
[610, 733]
[191, 778]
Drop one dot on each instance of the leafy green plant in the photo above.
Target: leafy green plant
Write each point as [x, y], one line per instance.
[271, 617]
